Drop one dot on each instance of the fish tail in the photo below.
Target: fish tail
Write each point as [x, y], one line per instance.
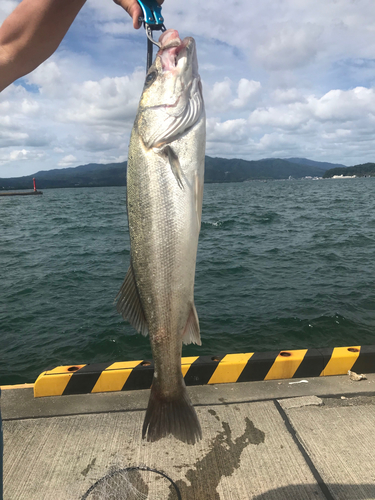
[171, 415]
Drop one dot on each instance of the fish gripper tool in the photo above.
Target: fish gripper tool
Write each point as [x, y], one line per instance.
[152, 21]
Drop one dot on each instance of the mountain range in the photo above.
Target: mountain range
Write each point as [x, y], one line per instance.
[216, 170]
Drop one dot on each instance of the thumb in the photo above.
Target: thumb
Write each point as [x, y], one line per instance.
[133, 8]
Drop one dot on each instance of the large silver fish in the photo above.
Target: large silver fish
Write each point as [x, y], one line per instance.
[164, 202]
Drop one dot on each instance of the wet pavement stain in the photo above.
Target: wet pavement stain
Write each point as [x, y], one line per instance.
[222, 459]
[213, 412]
[90, 466]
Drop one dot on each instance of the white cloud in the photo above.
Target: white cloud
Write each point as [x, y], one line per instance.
[290, 95]
[290, 46]
[339, 105]
[289, 116]
[96, 141]
[18, 155]
[67, 161]
[220, 96]
[245, 91]
[48, 77]
[230, 131]
[106, 101]
[337, 126]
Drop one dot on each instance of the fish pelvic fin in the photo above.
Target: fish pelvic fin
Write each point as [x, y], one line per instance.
[171, 415]
[191, 334]
[129, 304]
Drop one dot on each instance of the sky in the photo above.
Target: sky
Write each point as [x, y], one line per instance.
[281, 78]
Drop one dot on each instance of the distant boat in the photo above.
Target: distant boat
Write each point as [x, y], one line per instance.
[343, 176]
[23, 193]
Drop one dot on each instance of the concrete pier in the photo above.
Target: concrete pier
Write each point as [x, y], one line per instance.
[286, 439]
[21, 193]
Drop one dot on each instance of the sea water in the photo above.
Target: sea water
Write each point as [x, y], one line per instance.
[281, 265]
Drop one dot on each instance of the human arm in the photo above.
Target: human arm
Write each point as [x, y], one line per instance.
[34, 30]
[31, 34]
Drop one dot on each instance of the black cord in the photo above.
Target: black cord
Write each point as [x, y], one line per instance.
[128, 469]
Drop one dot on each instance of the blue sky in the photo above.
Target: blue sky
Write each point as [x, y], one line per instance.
[280, 79]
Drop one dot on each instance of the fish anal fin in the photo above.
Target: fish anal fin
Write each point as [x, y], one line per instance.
[129, 304]
[191, 333]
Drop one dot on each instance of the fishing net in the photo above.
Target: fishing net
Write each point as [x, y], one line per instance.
[133, 483]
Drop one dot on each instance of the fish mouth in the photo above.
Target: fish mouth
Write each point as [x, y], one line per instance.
[173, 52]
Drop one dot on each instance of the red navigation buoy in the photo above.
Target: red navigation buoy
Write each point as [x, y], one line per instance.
[34, 185]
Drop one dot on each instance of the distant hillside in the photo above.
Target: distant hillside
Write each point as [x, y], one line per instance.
[311, 163]
[365, 170]
[236, 170]
[114, 174]
[91, 175]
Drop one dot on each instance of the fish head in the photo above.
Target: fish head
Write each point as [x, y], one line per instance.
[172, 98]
[174, 68]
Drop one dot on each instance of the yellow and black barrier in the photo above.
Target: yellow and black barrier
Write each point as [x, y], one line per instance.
[202, 370]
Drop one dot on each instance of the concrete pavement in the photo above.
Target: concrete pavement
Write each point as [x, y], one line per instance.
[267, 440]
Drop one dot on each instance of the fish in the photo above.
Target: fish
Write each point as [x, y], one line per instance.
[165, 175]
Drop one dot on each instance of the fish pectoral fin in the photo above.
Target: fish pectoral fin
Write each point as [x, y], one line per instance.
[129, 304]
[191, 333]
[174, 163]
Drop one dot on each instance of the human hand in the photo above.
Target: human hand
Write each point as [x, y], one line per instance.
[134, 10]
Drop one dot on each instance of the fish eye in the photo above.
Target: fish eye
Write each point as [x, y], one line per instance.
[150, 78]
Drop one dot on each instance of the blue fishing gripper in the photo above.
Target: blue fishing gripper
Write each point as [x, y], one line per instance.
[152, 21]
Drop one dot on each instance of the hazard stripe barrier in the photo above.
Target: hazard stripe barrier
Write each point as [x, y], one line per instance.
[201, 370]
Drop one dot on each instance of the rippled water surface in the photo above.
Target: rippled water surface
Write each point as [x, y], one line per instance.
[281, 265]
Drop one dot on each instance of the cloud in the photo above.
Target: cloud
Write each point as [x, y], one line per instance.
[67, 161]
[20, 155]
[47, 77]
[338, 124]
[106, 101]
[100, 141]
[339, 105]
[230, 131]
[290, 46]
[220, 96]
[245, 91]
[334, 106]
[286, 96]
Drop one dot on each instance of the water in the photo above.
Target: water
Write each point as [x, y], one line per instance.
[281, 265]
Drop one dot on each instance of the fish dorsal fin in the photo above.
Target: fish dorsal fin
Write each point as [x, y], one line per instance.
[129, 304]
[191, 333]
[172, 127]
